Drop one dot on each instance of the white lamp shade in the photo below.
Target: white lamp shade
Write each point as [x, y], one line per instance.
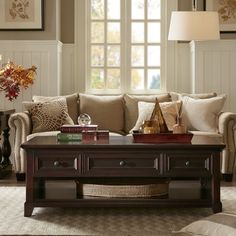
[194, 25]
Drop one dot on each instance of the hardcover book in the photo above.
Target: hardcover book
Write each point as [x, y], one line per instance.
[66, 137]
[77, 128]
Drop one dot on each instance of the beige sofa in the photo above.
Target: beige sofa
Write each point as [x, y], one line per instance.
[119, 114]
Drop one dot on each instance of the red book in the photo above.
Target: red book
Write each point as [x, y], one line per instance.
[77, 128]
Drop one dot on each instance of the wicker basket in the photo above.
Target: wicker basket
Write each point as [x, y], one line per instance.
[124, 190]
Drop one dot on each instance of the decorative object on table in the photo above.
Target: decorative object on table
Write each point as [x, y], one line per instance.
[84, 119]
[14, 77]
[158, 117]
[5, 151]
[21, 15]
[156, 124]
[77, 128]
[162, 138]
[95, 136]
[67, 137]
[179, 127]
[227, 13]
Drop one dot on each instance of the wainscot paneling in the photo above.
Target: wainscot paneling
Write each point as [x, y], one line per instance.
[213, 68]
[68, 75]
[46, 56]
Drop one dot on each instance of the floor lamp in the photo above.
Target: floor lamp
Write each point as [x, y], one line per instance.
[194, 26]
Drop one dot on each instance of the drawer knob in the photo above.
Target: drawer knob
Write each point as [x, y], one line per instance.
[56, 163]
[122, 163]
[187, 163]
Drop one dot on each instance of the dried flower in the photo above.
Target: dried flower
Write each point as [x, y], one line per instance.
[13, 77]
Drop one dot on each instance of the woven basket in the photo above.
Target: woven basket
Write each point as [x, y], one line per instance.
[134, 190]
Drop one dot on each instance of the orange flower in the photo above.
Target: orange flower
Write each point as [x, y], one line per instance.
[12, 77]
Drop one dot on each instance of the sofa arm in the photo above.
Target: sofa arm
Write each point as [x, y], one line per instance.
[21, 125]
[227, 127]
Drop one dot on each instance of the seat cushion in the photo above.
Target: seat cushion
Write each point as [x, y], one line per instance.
[131, 106]
[71, 100]
[105, 111]
[49, 133]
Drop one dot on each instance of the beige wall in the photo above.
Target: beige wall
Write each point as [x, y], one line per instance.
[59, 22]
[67, 21]
[50, 26]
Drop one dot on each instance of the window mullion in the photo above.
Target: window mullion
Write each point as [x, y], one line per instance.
[145, 44]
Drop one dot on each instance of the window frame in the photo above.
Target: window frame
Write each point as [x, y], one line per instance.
[81, 34]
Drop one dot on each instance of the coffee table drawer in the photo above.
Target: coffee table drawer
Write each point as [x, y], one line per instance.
[121, 164]
[180, 164]
[57, 163]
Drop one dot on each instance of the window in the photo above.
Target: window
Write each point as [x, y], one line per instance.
[123, 44]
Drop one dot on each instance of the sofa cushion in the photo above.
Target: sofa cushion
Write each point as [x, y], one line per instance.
[71, 100]
[48, 116]
[105, 111]
[169, 111]
[48, 133]
[131, 106]
[217, 225]
[202, 114]
[177, 96]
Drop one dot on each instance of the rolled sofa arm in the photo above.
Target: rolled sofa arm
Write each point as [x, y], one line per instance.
[20, 123]
[227, 127]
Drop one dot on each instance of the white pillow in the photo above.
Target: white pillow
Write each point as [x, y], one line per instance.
[169, 111]
[202, 114]
[218, 224]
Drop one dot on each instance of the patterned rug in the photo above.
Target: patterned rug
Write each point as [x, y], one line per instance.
[98, 221]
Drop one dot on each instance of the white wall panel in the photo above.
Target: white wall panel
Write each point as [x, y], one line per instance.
[45, 55]
[214, 69]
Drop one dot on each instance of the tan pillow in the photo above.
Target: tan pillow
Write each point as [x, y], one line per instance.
[202, 114]
[177, 96]
[48, 116]
[71, 100]
[105, 111]
[169, 111]
[131, 106]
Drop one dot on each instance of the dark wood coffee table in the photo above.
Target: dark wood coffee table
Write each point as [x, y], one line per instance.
[48, 159]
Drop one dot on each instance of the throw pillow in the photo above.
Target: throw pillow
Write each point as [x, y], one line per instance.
[169, 110]
[202, 114]
[105, 111]
[71, 100]
[48, 116]
[177, 96]
[131, 106]
[217, 225]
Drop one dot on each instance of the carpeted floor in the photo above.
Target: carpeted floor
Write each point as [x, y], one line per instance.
[98, 221]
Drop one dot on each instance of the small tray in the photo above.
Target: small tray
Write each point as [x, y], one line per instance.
[162, 138]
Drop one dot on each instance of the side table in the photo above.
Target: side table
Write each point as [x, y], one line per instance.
[5, 151]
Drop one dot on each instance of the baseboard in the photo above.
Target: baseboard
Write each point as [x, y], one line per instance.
[20, 176]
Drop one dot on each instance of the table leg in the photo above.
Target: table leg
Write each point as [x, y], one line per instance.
[215, 184]
[6, 148]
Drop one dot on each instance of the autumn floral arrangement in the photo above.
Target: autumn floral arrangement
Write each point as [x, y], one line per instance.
[15, 77]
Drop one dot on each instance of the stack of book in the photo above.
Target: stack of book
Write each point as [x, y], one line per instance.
[74, 132]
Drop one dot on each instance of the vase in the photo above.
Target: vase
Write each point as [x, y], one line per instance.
[179, 127]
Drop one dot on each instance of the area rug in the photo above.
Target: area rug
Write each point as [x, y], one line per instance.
[98, 221]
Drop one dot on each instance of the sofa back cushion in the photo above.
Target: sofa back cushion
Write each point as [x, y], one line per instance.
[177, 96]
[71, 101]
[105, 111]
[131, 106]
